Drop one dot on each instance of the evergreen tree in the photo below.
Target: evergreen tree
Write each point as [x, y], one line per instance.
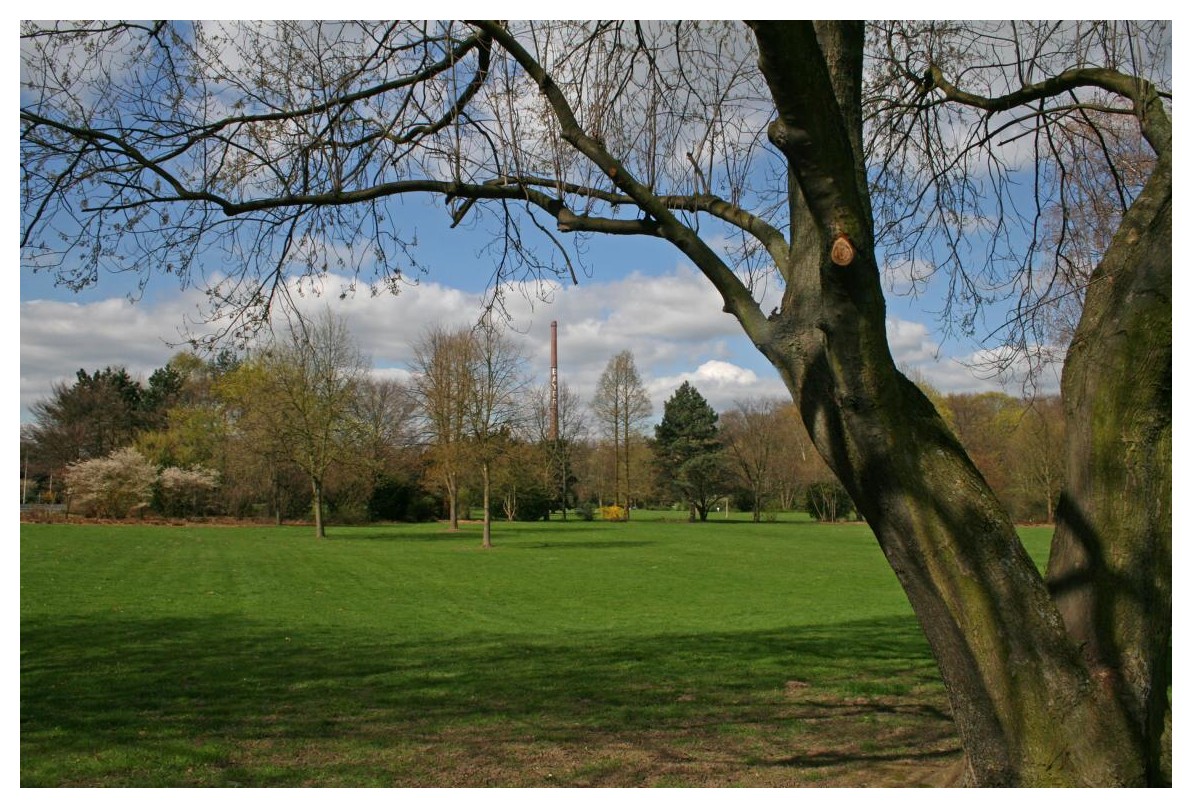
[97, 414]
[688, 451]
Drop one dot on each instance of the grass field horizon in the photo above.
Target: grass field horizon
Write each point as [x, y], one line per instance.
[647, 653]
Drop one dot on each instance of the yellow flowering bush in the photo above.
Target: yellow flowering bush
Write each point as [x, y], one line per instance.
[613, 513]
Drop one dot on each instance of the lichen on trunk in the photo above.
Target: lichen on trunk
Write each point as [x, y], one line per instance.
[1110, 565]
[1028, 710]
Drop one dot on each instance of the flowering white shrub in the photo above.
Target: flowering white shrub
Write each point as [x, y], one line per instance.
[184, 492]
[112, 486]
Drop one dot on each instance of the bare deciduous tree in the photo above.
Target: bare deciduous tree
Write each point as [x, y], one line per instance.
[493, 411]
[621, 408]
[572, 429]
[748, 431]
[442, 367]
[383, 426]
[467, 383]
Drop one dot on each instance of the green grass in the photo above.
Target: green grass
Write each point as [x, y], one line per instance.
[647, 653]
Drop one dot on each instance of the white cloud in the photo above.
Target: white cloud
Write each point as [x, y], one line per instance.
[916, 352]
[906, 277]
[911, 343]
[59, 338]
[721, 383]
[672, 322]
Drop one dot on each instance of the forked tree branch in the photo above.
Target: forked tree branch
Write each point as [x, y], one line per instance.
[1147, 100]
[737, 298]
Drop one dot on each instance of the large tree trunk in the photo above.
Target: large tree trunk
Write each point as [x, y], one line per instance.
[1025, 706]
[1110, 566]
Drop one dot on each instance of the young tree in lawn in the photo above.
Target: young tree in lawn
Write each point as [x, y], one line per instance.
[688, 455]
[441, 385]
[493, 412]
[746, 431]
[302, 390]
[620, 407]
[561, 448]
[819, 169]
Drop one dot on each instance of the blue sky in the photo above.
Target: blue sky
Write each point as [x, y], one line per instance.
[641, 295]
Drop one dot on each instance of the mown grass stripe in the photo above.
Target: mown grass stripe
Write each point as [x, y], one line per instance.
[571, 654]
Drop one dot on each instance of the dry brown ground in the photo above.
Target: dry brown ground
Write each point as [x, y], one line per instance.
[815, 741]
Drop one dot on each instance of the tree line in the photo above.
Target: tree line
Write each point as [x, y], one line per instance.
[300, 429]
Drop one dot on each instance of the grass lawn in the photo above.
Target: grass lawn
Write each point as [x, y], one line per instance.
[578, 654]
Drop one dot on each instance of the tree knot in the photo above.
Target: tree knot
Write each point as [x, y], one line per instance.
[843, 251]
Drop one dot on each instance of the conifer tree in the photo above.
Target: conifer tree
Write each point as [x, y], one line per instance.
[688, 452]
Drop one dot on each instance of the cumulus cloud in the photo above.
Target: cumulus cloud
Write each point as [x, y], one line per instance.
[721, 383]
[981, 371]
[59, 338]
[672, 322]
[911, 343]
[906, 277]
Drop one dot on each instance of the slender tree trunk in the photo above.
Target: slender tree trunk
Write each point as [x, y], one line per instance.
[616, 458]
[509, 505]
[317, 487]
[562, 455]
[628, 489]
[487, 540]
[452, 501]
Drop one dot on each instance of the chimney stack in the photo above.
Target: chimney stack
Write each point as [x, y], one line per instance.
[554, 380]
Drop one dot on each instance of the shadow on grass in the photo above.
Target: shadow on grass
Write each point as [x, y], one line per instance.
[528, 544]
[431, 532]
[228, 700]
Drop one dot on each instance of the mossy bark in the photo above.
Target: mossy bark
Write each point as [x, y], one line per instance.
[1110, 565]
[1027, 708]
